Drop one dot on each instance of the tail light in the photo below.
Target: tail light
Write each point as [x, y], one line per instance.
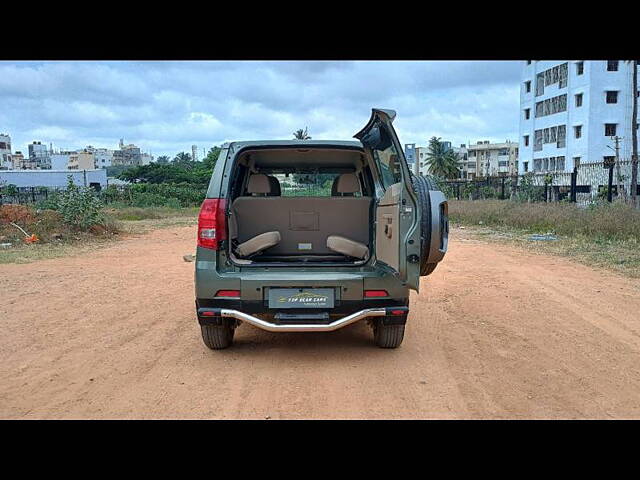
[212, 227]
[375, 293]
[228, 293]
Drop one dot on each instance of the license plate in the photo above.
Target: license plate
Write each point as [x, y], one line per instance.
[301, 297]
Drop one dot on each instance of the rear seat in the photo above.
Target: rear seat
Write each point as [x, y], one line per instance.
[258, 185]
[304, 224]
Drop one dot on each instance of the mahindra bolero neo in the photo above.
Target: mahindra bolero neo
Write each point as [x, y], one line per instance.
[311, 236]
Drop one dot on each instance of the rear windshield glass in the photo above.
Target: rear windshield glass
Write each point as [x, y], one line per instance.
[307, 184]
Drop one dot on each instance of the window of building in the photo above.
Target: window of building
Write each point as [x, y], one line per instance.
[579, 100]
[563, 75]
[612, 65]
[577, 130]
[537, 143]
[576, 162]
[526, 166]
[562, 136]
[527, 86]
[537, 164]
[526, 140]
[559, 163]
[540, 84]
[612, 96]
[610, 129]
[579, 68]
[527, 113]
[551, 106]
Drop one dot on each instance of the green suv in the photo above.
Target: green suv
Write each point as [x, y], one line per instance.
[311, 236]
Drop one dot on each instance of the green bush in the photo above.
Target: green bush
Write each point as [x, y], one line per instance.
[79, 207]
[174, 195]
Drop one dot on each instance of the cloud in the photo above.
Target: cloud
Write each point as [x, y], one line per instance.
[166, 107]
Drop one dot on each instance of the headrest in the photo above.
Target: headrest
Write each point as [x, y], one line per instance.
[348, 183]
[274, 184]
[258, 183]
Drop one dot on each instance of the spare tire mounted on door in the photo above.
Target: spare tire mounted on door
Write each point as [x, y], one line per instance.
[434, 223]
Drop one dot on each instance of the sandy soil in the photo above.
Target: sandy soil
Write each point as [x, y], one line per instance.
[494, 333]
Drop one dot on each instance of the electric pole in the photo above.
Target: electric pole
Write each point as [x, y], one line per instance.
[620, 186]
[634, 133]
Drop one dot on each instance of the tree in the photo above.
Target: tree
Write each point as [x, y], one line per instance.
[163, 160]
[442, 162]
[301, 134]
[209, 162]
[183, 160]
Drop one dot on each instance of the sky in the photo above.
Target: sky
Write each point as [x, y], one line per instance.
[166, 107]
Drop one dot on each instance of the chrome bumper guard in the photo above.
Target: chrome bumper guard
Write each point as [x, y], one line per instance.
[203, 313]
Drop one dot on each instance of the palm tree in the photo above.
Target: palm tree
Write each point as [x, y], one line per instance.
[162, 160]
[442, 162]
[183, 159]
[301, 134]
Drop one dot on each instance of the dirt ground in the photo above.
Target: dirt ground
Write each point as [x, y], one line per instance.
[494, 333]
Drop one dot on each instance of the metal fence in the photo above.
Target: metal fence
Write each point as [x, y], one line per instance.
[588, 183]
[27, 195]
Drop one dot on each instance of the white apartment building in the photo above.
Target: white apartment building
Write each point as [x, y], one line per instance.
[103, 157]
[485, 159]
[60, 160]
[5, 151]
[39, 155]
[570, 110]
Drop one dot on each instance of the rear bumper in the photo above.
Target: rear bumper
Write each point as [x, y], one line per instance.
[209, 316]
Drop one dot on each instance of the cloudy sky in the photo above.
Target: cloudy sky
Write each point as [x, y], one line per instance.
[165, 107]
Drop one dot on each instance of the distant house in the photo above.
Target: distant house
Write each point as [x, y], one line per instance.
[54, 178]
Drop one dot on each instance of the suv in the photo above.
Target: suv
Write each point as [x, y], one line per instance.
[311, 236]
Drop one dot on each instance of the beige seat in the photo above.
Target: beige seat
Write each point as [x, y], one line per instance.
[346, 185]
[258, 243]
[259, 184]
[347, 247]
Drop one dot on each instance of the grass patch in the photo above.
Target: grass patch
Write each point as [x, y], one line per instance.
[603, 236]
[153, 213]
[84, 243]
[56, 240]
[602, 222]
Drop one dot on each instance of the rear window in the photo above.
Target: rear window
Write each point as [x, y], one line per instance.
[388, 165]
[306, 184]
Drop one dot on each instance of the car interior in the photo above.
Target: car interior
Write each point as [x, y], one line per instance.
[301, 205]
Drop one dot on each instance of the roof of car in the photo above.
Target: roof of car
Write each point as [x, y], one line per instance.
[301, 143]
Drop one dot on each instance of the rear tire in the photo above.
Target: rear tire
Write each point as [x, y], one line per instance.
[217, 337]
[387, 336]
